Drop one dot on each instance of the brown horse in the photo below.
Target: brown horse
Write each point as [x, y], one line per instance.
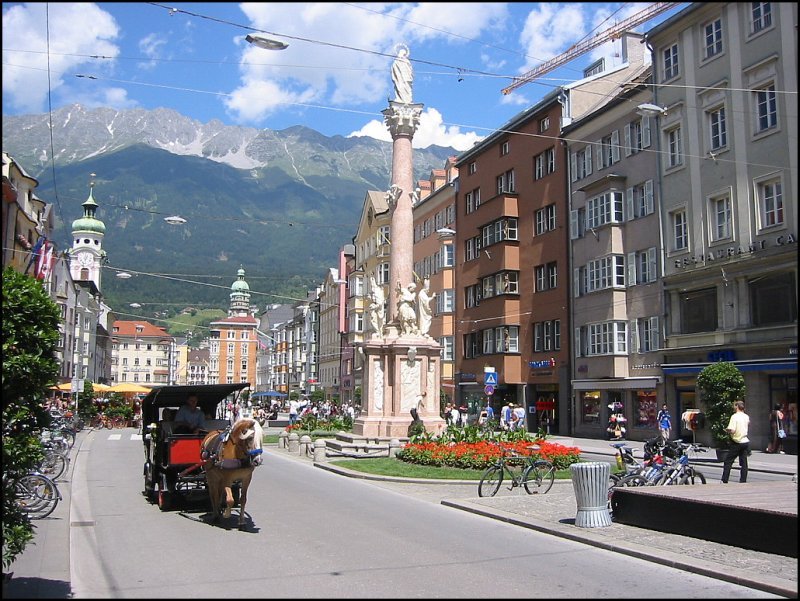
[229, 458]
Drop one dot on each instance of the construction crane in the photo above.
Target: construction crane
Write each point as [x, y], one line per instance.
[582, 47]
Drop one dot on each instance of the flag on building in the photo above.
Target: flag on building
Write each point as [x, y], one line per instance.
[261, 345]
[35, 252]
[45, 263]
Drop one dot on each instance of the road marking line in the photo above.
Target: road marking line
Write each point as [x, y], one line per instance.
[114, 436]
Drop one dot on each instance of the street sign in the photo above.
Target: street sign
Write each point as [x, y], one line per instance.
[490, 378]
[489, 390]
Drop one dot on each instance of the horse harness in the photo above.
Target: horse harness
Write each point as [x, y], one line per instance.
[222, 452]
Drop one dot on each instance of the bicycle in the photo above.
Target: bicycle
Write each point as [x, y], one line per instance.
[36, 495]
[54, 463]
[536, 476]
[681, 472]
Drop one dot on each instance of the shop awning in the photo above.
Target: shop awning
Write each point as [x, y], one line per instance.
[752, 365]
[616, 384]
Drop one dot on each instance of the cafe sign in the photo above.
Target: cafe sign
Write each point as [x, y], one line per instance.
[733, 251]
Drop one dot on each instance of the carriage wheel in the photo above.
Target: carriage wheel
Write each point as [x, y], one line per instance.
[164, 498]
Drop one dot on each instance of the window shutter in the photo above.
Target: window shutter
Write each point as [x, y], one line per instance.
[645, 132]
[648, 196]
[573, 225]
[577, 282]
[631, 269]
[628, 140]
[629, 202]
[578, 342]
[598, 159]
[634, 336]
[655, 339]
[573, 167]
[651, 264]
[615, 146]
[588, 163]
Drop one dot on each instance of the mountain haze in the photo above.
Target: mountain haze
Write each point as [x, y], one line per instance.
[280, 203]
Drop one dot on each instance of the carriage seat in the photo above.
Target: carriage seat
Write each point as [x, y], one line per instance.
[217, 424]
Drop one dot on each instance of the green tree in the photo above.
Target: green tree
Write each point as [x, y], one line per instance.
[30, 336]
[720, 385]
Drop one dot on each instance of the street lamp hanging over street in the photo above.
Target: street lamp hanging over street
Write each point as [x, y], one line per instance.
[266, 43]
[175, 220]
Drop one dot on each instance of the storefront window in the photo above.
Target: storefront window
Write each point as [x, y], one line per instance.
[590, 407]
[645, 408]
[783, 392]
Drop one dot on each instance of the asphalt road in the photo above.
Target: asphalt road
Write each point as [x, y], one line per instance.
[315, 534]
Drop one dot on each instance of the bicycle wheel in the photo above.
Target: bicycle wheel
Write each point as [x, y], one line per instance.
[37, 495]
[490, 481]
[633, 480]
[54, 465]
[692, 477]
[68, 436]
[538, 478]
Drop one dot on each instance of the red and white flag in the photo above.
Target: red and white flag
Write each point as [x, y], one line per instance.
[44, 264]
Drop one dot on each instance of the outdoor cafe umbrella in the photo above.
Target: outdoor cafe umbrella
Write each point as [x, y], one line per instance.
[101, 387]
[63, 387]
[129, 387]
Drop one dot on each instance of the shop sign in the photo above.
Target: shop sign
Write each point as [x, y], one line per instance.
[793, 350]
[733, 251]
[467, 377]
[546, 363]
[722, 355]
[545, 405]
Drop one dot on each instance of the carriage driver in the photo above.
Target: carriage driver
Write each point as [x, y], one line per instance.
[190, 418]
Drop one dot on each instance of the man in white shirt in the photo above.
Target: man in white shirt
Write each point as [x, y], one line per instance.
[294, 407]
[740, 445]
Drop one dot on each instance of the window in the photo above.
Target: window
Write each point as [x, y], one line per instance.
[444, 301]
[448, 255]
[547, 336]
[384, 234]
[605, 272]
[699, 311]
[648, 335]
[674, 147]
[504, 282]
[595, 68]
[244, 349]
[608, 151]
[718, 128]
[642, 267]
[446, 343]
[639, 200]
[544, 163]
[603, 209]
[356, 286]
[577, 223]
[497, 231]
[505, 183]
[545, 219]
[471, 345]
[773, 299]
[680, 230]
[713, 38]
[245, 335]
[546, 276]
[761, 14]
[607, 338]
[544, 124]
[637, 136]
[720, 209]
[767, 108]
[473, 168]
[503, 339]
[230, 348]
[581, 163]
[383, 273]
[504, 148]
[770, 200]
[356, 321]
[473, 200]
[472, 248]
[590, 406]
[671, 62]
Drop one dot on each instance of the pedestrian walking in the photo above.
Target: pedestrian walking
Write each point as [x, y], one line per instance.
[738, 427]
[664, 420]
[777, 430]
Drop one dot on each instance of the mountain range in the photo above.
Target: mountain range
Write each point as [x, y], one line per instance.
[279, 203]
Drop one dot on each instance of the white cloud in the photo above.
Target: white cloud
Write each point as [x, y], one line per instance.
[329, 73]
[151, 46]
[550, 29]
[431, 130]
[75, 29]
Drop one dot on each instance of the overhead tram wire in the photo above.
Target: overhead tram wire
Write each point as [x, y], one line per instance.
[50, 112]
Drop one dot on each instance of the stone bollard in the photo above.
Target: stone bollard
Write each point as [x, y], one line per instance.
[394, 446]
[320, 453]
[293, 445]
[305, 445]
[283, 440]
[590, 481]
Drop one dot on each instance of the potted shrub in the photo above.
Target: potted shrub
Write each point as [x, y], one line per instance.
[720, 385]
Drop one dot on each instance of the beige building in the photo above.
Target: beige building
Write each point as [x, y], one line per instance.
[140, 353]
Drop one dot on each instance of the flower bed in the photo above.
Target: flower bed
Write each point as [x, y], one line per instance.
[479, 455]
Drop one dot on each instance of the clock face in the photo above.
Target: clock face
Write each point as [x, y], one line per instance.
[85, 260]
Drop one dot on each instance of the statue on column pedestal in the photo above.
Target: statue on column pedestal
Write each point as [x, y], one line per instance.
[406, 311]
[402, 75]
[424, 298]
[376, 308]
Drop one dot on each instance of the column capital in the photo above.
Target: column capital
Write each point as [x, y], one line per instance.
[402, 119]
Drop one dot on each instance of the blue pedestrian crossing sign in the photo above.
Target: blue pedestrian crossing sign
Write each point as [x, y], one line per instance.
[490, 378]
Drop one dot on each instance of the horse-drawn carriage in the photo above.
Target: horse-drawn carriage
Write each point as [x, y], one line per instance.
[174, 465]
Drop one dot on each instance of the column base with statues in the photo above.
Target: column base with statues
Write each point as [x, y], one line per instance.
[401, 373]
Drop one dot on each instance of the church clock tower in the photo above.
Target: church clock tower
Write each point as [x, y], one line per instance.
[87, 252]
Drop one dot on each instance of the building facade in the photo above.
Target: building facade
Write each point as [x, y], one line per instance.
[140, 353]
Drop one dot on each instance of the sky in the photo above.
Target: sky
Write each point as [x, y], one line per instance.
[333, 77]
